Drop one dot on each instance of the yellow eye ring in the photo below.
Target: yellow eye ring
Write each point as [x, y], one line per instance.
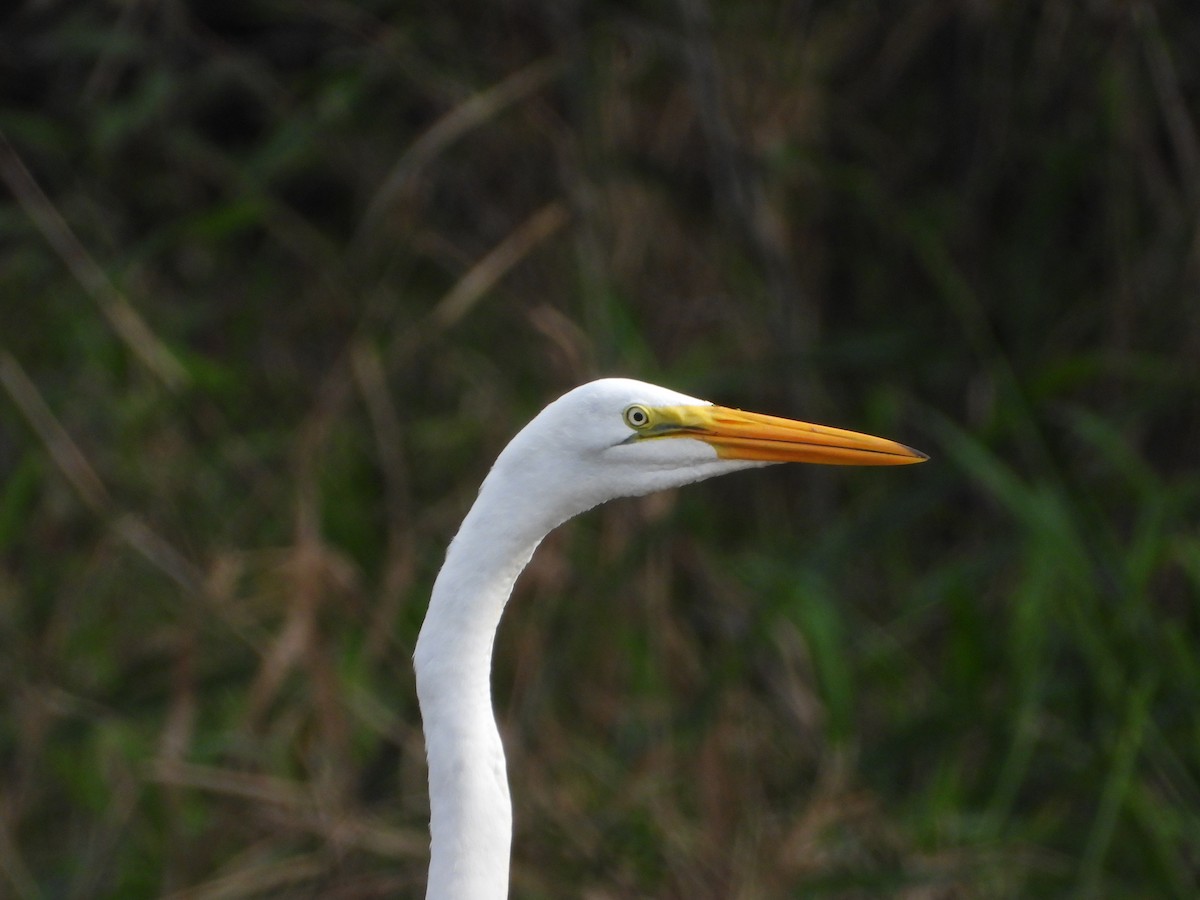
[636, 417]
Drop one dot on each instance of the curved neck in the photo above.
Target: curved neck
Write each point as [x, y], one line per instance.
[470, 811]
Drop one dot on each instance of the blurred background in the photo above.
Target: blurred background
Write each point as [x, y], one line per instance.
[278, 280]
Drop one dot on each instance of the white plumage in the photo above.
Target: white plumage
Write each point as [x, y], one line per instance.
[606, 439]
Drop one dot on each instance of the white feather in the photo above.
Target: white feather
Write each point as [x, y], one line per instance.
[571, 457]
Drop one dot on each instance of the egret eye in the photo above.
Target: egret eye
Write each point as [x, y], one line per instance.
[637, 416]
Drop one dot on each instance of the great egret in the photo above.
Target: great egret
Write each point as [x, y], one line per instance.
[609, 438]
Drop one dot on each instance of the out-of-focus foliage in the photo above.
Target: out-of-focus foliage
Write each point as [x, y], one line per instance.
[278, 280]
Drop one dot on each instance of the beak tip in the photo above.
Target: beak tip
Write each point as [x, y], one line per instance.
[919, 456]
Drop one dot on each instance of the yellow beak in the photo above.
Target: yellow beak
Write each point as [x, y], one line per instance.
[745, 435]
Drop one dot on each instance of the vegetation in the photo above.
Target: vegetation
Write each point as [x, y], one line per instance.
[280, 279]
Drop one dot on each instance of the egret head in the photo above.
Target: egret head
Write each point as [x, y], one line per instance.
[620, 438]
